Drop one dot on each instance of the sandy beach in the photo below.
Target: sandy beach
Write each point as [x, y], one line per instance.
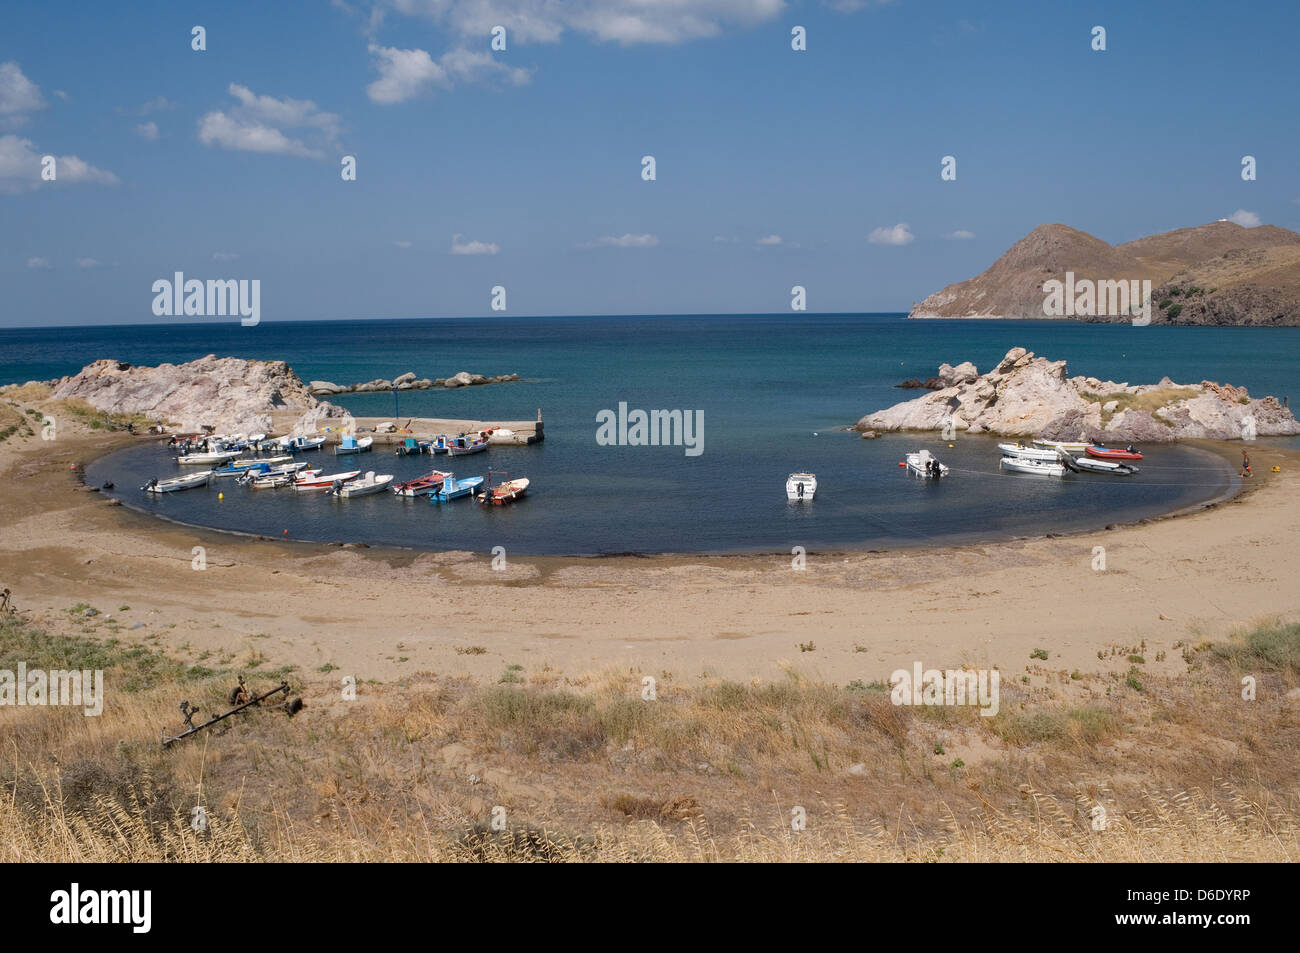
[382, 614]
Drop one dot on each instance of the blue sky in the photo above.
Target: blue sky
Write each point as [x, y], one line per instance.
[225, 163]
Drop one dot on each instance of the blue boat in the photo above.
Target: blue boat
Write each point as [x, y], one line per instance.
[452, 488]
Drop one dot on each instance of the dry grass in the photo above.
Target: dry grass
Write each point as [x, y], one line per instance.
[1152, 400]
[588, 772]
[25, 392]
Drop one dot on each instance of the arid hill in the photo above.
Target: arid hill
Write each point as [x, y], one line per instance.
[1220, 273]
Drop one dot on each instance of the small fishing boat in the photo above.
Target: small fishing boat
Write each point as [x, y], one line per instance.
[800, 486]
[1113, 453]
[451, 488]
[237, 467]
[413, 447]
[440, 444]
[350, 444]
[1089, 465]
[420, 486]
[207, 458]
[272, 481]
[266, 471]
[364, 486]
[299, 444]
[1028, 453]
[466, 444]
[924, 465]
[502, 493]
[1073, 446]
[312, 480]
[1036, 467]
[178, 483]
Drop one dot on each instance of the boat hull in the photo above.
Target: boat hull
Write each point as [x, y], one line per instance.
[1106, 453]
[1032, 467]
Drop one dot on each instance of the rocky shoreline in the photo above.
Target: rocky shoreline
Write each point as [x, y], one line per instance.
[1026, 396]
[226, 394]
[407, 381]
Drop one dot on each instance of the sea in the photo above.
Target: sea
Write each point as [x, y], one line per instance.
[775, 394]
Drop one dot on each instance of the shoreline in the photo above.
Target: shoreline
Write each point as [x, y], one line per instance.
[385, 613]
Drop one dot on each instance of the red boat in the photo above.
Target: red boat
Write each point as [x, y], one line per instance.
[1113, 453]
[420, 486]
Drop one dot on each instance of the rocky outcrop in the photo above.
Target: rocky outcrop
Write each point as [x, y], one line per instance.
[228, 394]
[1032, 396]
[407, 381]
[1217, 274]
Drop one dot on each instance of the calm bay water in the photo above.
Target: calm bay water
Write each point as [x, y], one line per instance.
[772, 390]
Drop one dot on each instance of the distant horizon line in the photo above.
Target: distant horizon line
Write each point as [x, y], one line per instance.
[491, 317]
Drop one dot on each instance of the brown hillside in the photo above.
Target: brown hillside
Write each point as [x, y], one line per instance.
[1236, 275]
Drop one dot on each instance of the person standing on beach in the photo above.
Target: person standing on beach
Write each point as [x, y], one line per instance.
[1245, 464]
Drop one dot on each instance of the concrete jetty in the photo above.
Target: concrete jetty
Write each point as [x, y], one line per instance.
[521, 432]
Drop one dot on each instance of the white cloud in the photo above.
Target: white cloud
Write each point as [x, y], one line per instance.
[770, 240]
[39, 264]
[459, 247]
[900, 234]
[624, 241]
[156, 104]
[63, 96]
[224, 255]
[404, 74]
[618, 21]
[87, 263]
[1244, 218]
[18, 95]
[257, 124]
[960, 234]
[407, 244]
[147, 130]
[20, 168]
[853, 6]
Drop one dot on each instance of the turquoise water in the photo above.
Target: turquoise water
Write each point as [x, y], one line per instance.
[772, 389]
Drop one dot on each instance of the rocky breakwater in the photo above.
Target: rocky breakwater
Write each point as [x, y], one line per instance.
[407, 381]
[1031, 396]
[226, 394]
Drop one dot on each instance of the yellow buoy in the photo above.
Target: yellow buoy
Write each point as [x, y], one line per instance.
[1277, 469]
[949, 446]
[221, 496]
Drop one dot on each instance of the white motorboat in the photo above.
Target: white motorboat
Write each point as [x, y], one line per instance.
[800, 486]
[178, 483]
[923, 464]
[298, 444]
[350, 444]
[1072, 446]
[370, 483]
[291, 470]
[197, 459]
[272, 481]
[312, 480]
[1027, 453]
[1036, 467]
[1087, 464]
